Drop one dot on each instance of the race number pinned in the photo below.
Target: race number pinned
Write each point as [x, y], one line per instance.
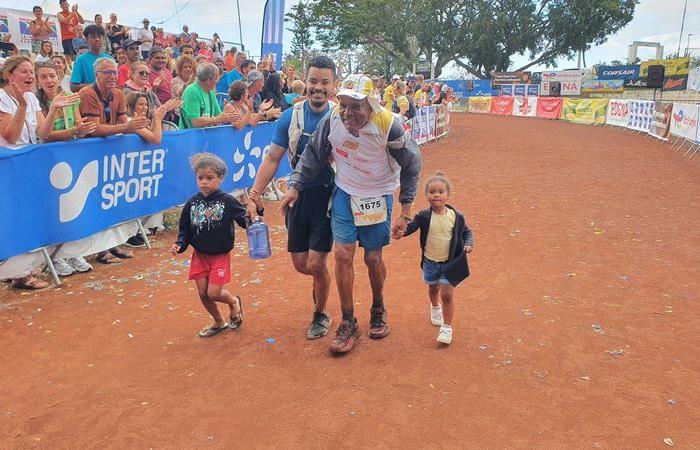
[368, 210]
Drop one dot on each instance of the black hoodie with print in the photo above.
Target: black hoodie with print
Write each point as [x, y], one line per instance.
[207, 222]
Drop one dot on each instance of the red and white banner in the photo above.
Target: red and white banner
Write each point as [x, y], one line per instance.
[549, 107]
[525, 106]
[618, 113]
[570, 81]
[684, 121]
[502, 106]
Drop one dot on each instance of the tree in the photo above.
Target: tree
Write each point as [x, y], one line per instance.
[302, 30]
[481, 36]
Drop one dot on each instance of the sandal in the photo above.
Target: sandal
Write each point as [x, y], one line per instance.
[237, 321]
[29, 282]
[211, 331]
[119, 253]
[104, 258]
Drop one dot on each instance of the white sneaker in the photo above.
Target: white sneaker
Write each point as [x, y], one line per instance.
[445, 335]
[63, 269]
[79, 264]
[436, 315]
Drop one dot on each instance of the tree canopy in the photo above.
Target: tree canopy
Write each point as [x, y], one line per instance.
[481, 36]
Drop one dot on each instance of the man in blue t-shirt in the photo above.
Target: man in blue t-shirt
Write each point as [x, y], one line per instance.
[83, 70]
[309, 230]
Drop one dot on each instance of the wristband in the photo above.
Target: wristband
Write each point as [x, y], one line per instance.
[405, 218]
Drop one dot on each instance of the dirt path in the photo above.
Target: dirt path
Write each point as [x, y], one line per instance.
[577, 328]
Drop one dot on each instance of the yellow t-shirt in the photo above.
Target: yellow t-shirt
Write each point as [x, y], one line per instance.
[437, 245]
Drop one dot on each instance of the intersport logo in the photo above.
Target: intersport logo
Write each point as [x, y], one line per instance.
[126, 177]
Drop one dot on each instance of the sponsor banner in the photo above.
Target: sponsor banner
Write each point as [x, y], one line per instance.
[694, 80]
[672, 67]
[586, 110]
[502, 106]
[536, 77]
[673, 83]
[441, 120]
[618, 113]
[684, 121]
[570, 81]
[500, 78]
[520, 89]
[17, 23]
[525, 106]
[617, 72]
[480, 105]
[533, 90]
[507, 90]
[82, 187]
[549, 107]
[641, 115]
[599, 86]
[661, 125]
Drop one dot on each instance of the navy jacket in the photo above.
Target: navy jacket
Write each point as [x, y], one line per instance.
[456, 267]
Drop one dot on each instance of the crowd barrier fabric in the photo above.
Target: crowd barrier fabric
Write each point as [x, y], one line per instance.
[684, 121]
[641, 115]
[661, 124]
[586, 111]
[480, 105]
[549, 107]
[81, 187]
[618, 113]
[507, 90]
[525, 106]
[502, 106]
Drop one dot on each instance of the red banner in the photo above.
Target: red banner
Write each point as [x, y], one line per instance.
[502, 106]
[549, 107]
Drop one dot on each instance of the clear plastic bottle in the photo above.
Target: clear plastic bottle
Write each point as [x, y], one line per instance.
[258, 240]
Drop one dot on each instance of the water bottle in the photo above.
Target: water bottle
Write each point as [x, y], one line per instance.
[258, 240]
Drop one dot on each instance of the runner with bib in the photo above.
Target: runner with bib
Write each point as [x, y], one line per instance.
[373, 155]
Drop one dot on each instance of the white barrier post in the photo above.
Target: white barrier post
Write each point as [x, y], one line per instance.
[143, 233]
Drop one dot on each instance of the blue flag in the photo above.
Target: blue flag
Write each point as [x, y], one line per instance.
[273, 31]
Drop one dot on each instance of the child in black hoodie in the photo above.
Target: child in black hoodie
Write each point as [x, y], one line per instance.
[445, 240]
[207, 223]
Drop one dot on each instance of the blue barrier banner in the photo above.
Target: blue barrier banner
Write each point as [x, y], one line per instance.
[617, 72]
[459, 87]
[65, 191]
[519, 90]
[533, 90]
[507, 90]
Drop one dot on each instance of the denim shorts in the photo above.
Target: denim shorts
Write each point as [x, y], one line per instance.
[433, 272]
[371, 237]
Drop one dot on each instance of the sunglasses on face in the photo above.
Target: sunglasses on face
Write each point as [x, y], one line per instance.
[109, 72]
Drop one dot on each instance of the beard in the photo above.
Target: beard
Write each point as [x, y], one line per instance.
[318, 103]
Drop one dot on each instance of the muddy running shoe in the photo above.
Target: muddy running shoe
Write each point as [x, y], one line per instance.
[319, 326]
[436, 315]
[445, 335]
[377, 323]
[345, 337]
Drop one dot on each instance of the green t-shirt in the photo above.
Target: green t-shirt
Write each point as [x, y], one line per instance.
[66, 119]
[197, 103]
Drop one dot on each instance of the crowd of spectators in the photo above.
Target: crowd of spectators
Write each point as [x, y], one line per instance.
[113, 80]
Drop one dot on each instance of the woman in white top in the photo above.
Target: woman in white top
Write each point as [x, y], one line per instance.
[63, 72]
[45, 52]
[22, 122]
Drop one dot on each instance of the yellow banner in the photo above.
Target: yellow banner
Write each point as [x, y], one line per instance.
[586, 110]
[480, 105]
[678, 66]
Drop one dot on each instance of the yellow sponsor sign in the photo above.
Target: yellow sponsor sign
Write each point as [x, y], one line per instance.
[672, 67]
[586, 110]
[480, 105]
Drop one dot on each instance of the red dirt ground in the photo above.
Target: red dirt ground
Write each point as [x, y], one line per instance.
[575, 226]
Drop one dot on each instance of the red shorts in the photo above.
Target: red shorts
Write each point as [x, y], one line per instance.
[216, 268]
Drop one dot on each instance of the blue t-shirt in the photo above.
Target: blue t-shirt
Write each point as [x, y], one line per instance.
[227, 80]
[290, 97]
[311, 120]
[83, 70]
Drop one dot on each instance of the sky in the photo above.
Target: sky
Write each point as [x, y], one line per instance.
[654, 20]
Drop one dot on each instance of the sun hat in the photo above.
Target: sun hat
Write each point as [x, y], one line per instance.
[359, 87]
